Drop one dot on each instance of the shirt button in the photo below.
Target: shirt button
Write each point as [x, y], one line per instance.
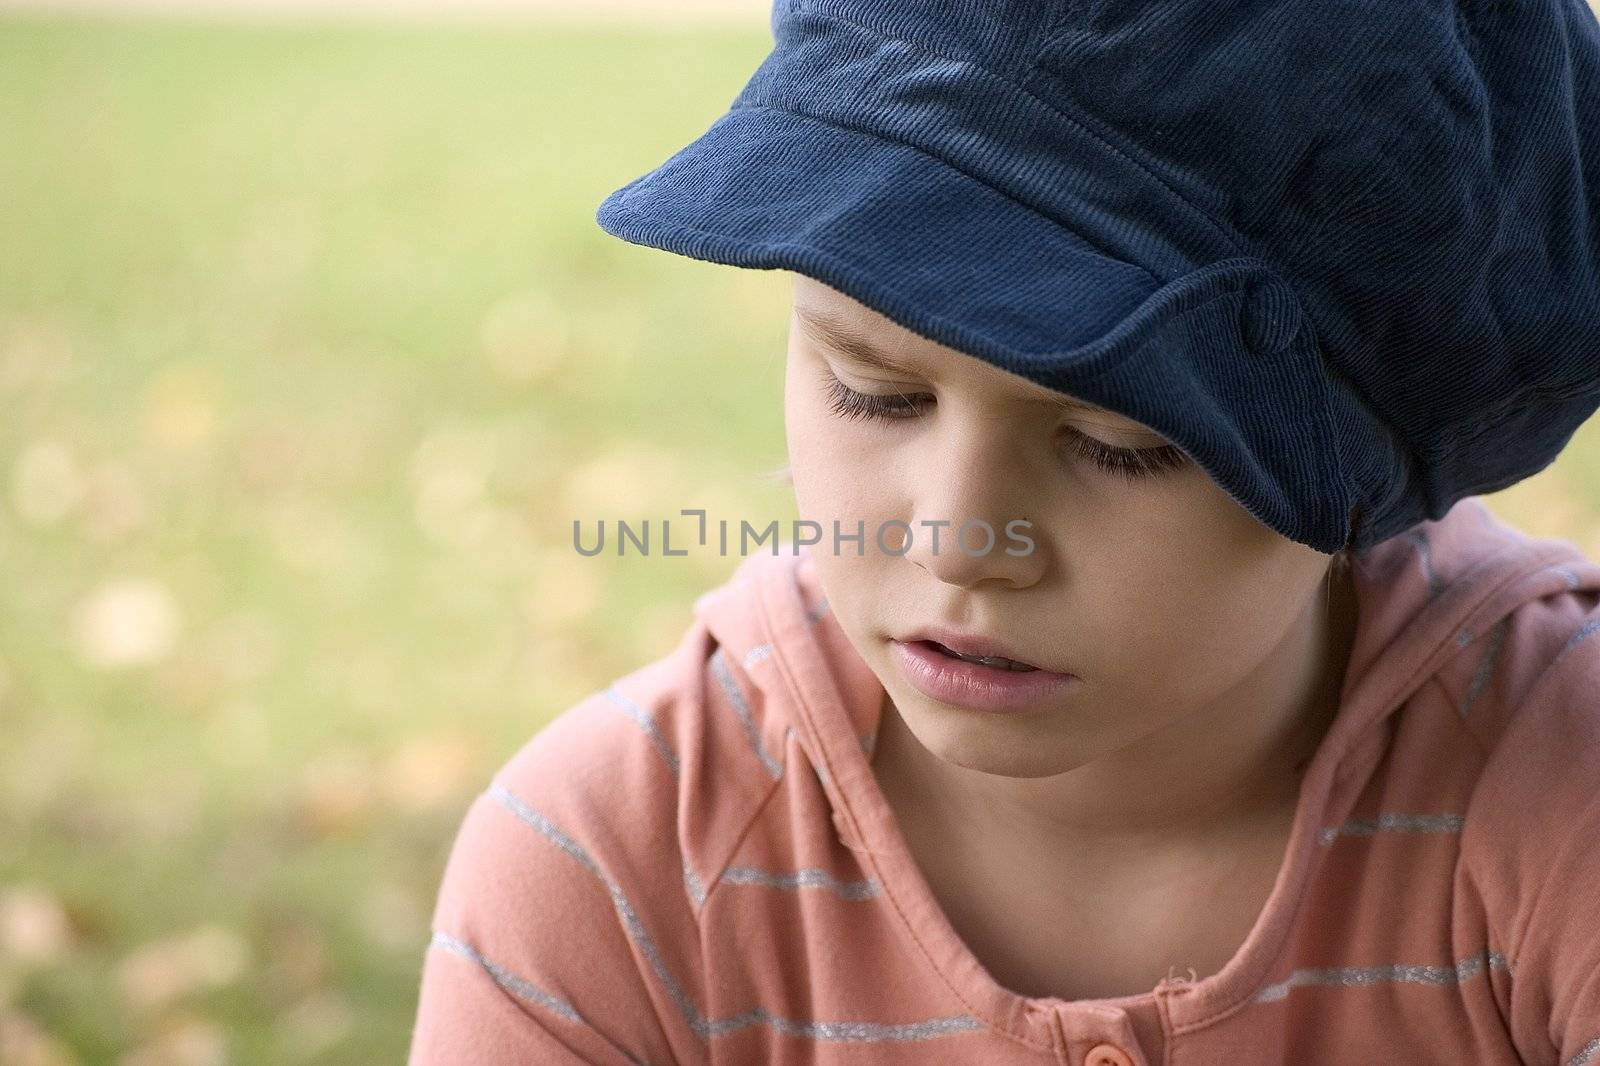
[1107, 1055]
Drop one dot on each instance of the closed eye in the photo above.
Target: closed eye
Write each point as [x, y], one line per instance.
[1129, 463]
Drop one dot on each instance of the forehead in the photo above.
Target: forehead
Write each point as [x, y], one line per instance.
[865, 337]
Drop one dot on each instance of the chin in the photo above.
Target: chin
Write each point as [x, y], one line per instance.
[994, 744]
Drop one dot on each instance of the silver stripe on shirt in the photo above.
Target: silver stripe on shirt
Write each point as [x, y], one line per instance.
[1425, 556]
[1586, 1053]
[516, 985]
[849, 1031]
[639, 715]
[705, 1028]
[754, 655]
[1588, 629]
[1362, 976]
[507, 980]
[749, 875]
[762, 650]
[1393, 823]
[697, 890]
[1486, 665]
[730, 687]
[630, 919]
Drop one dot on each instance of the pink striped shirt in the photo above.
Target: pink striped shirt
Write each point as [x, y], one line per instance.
[696, 865]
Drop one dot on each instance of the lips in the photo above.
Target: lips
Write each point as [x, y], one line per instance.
[973, 647]
[962, 683]
[997, 661]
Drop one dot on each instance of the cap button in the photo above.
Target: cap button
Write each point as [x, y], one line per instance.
[1269, 316]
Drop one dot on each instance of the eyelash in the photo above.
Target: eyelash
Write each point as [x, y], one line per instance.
[1130, 463]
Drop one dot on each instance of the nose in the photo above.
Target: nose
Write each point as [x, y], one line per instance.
[970, 523]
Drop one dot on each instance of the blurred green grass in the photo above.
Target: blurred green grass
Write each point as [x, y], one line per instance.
[309, 352]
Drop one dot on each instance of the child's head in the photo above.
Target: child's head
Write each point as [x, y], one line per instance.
[1145, 579]
[1357, 284]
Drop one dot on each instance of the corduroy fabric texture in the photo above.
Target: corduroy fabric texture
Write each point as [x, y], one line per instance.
[1342, 254]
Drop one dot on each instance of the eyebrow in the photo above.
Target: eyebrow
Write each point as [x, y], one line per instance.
[841, 338]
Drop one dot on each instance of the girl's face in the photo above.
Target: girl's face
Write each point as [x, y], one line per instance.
[1161, 593]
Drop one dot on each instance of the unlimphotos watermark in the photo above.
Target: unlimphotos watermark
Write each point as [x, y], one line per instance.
[1018, 542]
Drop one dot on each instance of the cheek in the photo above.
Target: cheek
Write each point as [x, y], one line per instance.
[841, 469]
[1207, 622]
[1153, 579]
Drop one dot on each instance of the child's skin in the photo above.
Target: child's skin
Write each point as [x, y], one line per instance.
[1134, 825]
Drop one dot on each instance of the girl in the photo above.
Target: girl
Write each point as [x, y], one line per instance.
[1148, 686]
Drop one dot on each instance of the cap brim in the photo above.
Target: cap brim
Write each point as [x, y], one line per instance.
[953, 258]
[888, 224]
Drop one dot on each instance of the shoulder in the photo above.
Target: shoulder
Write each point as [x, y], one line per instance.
[1531, 695]
[1494, 667]
[1528, 688]
[1528, 854]
[641, 789]
[597, 835]
[633, 769]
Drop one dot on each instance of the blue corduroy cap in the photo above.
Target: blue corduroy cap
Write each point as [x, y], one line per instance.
[1343, 254]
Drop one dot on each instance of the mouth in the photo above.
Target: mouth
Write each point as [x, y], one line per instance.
[998, 662]
[961, 677]
[975, 648]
